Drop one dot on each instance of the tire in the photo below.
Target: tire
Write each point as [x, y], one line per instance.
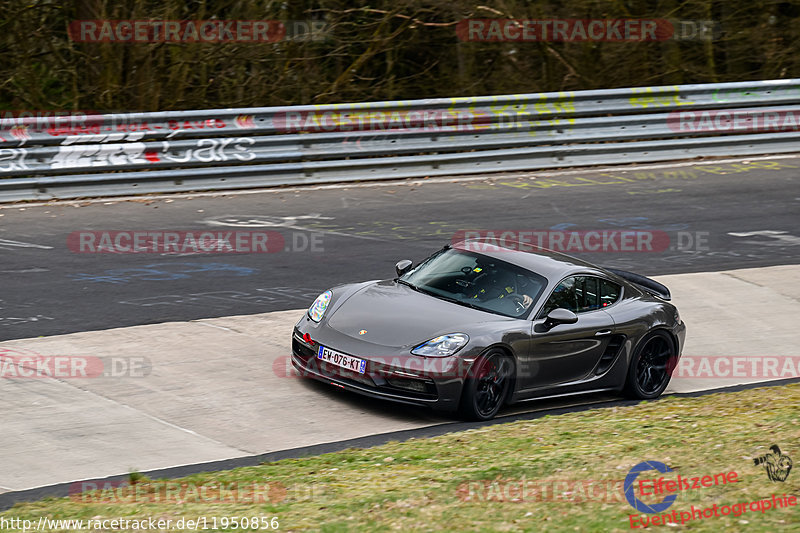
[487, 386]
[651, 367]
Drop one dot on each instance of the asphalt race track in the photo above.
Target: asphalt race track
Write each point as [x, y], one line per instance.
[215, 391]
[718, 216]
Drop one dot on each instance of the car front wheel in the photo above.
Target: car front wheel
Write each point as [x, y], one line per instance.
[487, 385]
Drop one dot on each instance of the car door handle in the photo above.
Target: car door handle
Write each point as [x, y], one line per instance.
[602, 332]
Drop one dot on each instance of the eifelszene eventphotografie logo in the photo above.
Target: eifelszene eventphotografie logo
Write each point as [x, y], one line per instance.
[630, 481]
[777, 464]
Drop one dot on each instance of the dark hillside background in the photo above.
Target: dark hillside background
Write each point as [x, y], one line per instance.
[383, 50]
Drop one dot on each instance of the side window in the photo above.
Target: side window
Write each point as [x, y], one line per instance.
[588, 293]
[582, 293]
[609, 292]
[564, 296]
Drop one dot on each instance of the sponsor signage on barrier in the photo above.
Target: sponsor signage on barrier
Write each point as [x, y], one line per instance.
[310, 144]
[45, 120]
[110, 128]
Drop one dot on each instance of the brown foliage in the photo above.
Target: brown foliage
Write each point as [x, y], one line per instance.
[380, 50]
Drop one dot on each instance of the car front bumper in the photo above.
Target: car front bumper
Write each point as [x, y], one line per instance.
[398, 377]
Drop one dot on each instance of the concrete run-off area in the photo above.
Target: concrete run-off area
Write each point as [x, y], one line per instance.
[188, 392]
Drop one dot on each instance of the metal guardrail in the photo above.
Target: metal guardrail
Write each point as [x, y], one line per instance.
[136, 153]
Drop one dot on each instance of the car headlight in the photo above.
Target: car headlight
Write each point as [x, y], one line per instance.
[442, 346]
[319, 306]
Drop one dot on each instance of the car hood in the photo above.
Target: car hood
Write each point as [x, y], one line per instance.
[398, 316]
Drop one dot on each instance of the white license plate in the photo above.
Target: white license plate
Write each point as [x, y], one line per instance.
[339, 359]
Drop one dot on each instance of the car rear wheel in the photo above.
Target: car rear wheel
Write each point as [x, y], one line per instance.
[487, 385]
[651, 367]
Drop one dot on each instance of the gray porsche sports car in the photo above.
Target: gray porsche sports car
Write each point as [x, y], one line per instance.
[477, 325]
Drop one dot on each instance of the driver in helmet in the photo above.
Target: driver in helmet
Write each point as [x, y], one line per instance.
[497, 289]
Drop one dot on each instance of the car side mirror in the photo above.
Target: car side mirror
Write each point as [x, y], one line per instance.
[402, 267]
[560, 316]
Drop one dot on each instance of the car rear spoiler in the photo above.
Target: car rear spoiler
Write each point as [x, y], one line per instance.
[647, 284]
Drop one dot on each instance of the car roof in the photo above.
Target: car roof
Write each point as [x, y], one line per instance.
[548, 263]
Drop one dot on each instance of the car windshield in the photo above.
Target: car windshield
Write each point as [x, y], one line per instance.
[476, 280]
